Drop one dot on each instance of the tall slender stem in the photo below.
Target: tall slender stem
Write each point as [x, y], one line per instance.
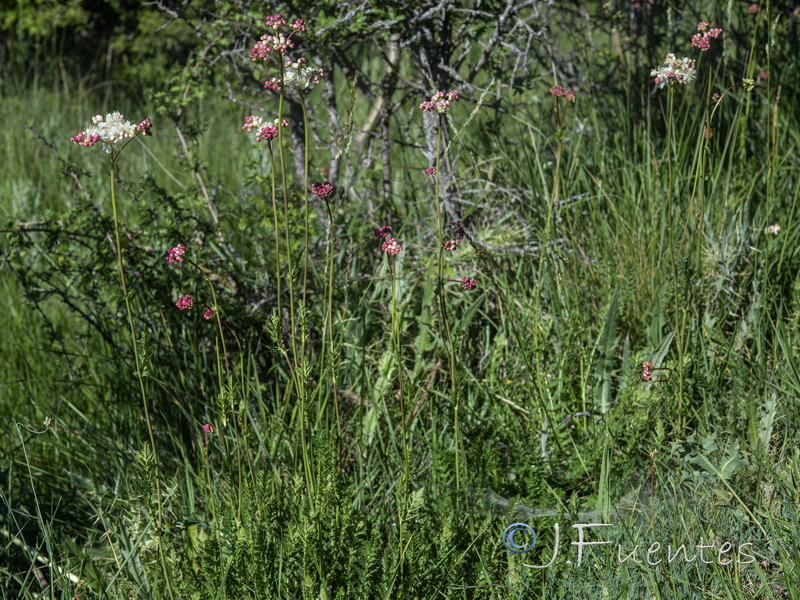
[451, 352]
[277, 227]
[139, 373]
[305, 190]
[284, 185]
[680, 314]
[398, 353]
[333, 367]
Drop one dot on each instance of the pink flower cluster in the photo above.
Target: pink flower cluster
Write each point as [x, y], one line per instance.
[380, 233]
[559, 92]
[439, 102]
[278, 41]
[702, 40]
[145, 126]
[176, 254]
[454, 236]
[390, 245]
[647, 370]
[323, 190]
[467, 283]
[185, 303]
[85, 139]
[208, 428]
[430, 171]
[263, 132]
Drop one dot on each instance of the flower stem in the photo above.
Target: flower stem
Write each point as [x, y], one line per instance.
[461, 459]
[398, 353]
[284, 184]
[680, 313]
[305, 194]
[139, 373]
[333, 367]
[277, 227]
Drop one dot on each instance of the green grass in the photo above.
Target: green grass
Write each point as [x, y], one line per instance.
[302, 493]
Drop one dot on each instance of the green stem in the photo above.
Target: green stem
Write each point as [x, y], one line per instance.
[234, 419]
[679, 309]
[139, 374]
[397, 347]
[212, 493]
[461, 459]
[539, 330]
[305, 195]
[299, 377]
[277, 227]
[284, 182]
[331, 246]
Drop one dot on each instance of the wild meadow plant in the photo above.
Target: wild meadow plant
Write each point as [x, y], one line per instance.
[227, 395]
[115, 133]
[440, 103]
[299, 76]
[675, 73]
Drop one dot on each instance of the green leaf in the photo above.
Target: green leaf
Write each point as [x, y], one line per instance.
[606, 346]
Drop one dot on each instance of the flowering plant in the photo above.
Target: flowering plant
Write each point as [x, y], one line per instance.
[323, 190]
[702, 39]
[439, 102]
[674, 71]
[263, 132]
[111, 130]
[279, 40]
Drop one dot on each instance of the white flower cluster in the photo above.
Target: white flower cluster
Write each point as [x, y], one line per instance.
[299, 75]
[674, 71]
[111, 129]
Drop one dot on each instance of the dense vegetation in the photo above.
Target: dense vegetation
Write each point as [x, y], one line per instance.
[584, 311]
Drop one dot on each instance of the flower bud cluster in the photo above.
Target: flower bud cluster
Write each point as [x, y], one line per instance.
[439, 102]
[185, 303]
[277, 41]
[455, 235]
[380, 233]
[560, 92]
[391, 246]
[702, 39]
[647, 370]
[176, 254]
[468, 283]
[323, 190]
[263, 132]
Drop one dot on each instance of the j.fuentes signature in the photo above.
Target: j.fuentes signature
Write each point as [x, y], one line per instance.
[653, 555]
